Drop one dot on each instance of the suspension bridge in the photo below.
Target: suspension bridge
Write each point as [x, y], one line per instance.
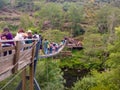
[22, 57]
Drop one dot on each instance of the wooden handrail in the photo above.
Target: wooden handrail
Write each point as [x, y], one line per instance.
[20, 53]
[53, 54]
[13, 40]
[24, 55]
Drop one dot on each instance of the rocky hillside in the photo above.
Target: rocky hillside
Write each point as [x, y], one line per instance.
[10, 16]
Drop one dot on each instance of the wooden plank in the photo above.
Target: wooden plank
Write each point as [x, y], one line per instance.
[27, 45]
[24, 54]
[24, 79]
[5, 62]
[7, 48]
[66, 53]
[9, 57]
[24, 51]
[6, 69]
[23, 58]
[5, 75]
[17, 54]
[31, 67]
[22, 64]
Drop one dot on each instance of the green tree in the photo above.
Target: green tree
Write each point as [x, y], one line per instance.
[107, 19]
[25, 5]
[49, 75]
[109, 79]
[26, 22]
[75, 15]
[54, 35]
[100, 81]
[50, 12]
[114, 50]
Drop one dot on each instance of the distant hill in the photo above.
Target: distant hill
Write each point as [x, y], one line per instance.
[10, 16]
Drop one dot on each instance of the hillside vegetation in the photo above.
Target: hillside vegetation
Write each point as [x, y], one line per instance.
[96, 23]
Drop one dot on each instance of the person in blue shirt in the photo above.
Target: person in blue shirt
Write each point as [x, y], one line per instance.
[30, 36]
[45, 45]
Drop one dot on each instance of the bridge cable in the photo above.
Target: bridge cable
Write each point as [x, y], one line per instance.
[17, 73]
[11, 79]
[23, 56]
[20, 72]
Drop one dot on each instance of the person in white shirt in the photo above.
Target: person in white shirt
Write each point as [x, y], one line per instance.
[20, 36]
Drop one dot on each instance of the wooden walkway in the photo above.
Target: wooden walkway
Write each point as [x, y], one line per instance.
[22, 55]
[74, 44]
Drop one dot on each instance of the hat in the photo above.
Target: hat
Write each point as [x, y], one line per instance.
[29, 31]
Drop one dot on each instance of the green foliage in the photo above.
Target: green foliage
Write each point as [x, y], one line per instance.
[34, 29]
[75, 13]
[54, 35]
[85, 84]
[94, 50]
[78, 30]
[59, 14]
[73, 62]
[49, 75]
[93, 41]
[109, 79]
[114, 49]
[51, 12]
[3, 24]
[108, 18]
[24, 5]
[10, 86]
[66, 6]
[99, 81]
[103, 13]
[26, 22]
[13, 28]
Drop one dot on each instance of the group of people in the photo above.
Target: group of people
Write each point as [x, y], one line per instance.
[20, 35]
[51, 47]
[26, 38]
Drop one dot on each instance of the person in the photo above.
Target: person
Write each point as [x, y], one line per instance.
[5, 44]
[56, 47]
[20, 36]
[79, 43]
[8, 35]
[0, 40]
[46, 46]
[51, 48]
[30, 36]
[61, 43]
[36, 36]
[65, 40]
[41, 39]
[0, 45]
